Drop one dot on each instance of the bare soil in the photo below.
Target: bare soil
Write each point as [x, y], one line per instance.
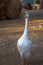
[10, 32]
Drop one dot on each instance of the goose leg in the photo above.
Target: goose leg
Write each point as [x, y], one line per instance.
[24, 62]
[27, 62]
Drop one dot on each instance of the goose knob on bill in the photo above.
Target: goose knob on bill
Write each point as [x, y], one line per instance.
[24, 45]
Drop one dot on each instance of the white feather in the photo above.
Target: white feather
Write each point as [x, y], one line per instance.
[24, 45]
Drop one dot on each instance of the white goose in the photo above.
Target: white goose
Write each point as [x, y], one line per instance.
[24, 45]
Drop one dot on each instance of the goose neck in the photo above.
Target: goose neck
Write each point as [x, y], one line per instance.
[26, 27]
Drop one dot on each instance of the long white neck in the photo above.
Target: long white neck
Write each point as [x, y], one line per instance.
[26, 27]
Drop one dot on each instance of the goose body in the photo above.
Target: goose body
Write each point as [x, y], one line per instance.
[25, 49]
[25, 45]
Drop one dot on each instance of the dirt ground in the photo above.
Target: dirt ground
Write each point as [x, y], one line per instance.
[10, 32]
